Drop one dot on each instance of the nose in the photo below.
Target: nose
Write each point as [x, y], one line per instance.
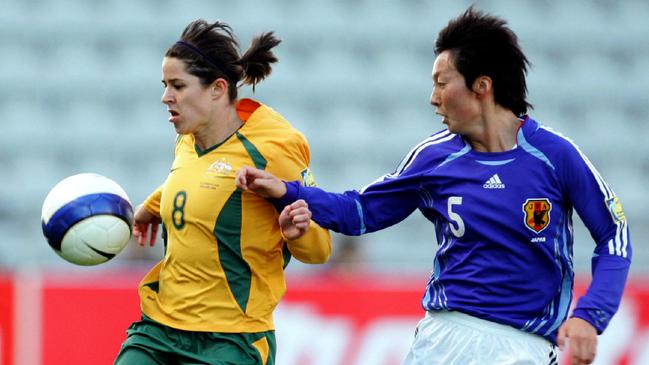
[167, 96]
[434, 98]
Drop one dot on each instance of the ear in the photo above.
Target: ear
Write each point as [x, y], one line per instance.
[218, 88]
[482, 85]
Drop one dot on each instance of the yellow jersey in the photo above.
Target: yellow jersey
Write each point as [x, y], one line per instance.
[223, 269]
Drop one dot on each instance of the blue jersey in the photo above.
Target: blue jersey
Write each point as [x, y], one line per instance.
[503, 223]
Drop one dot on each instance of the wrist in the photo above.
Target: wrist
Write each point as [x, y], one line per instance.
[584, 315]
[291, 193]
[281, 233]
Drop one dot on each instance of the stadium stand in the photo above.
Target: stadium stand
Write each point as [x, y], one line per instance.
[81, 93]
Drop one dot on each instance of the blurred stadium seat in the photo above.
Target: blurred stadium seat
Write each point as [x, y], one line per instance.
[81, 92]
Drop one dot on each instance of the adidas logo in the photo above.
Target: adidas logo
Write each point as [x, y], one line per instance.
[494, 183]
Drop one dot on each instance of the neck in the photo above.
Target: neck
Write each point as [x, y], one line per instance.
[220, 127]
[496, 132]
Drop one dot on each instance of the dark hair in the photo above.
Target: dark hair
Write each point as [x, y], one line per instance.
[211, 51]
[483, 45]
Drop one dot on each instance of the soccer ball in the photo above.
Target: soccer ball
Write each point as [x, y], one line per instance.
[87, 219]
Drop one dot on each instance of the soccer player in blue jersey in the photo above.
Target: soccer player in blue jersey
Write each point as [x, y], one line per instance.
[500, 188]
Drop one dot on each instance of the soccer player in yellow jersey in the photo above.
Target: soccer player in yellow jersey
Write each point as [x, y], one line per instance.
[211, 298]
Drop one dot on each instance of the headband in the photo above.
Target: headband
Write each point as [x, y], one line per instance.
[208, 59]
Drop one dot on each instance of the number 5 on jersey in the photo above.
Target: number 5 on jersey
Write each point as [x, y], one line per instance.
[458, 227]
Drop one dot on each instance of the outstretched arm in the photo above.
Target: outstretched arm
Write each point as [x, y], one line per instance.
[380, 205]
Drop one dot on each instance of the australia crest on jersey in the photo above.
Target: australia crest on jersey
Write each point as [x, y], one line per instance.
[537, 213]
[212, 178]
[220, 167]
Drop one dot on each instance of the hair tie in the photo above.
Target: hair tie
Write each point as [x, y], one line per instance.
[208, 60]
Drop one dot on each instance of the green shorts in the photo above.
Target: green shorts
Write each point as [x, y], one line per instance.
[150, 342]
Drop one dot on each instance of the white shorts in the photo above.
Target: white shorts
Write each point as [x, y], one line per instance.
[454, 338]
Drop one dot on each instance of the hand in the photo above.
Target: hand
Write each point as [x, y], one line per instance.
[582, 338]
[294, 220]
[260, 182]
[145, 221]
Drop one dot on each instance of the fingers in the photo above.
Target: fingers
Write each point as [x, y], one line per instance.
[143, 219]
[581, 338]
[299, 213]
[260, 182]
[140, 231]
[583, 351]
[247, 175]
[249, 178]
[561, 338]
[154, 234]
[295, 219]
[299, 204]
[241, 179]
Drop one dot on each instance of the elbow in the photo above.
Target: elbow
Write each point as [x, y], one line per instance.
[312, 248]
[318, 255]
[322, 256]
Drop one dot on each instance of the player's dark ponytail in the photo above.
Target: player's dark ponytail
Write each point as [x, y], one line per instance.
[256, 62]
[211, 51]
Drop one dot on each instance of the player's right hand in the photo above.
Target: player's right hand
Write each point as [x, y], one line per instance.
[260, 182]
[294, 220]
[582, 338]
[145, 222]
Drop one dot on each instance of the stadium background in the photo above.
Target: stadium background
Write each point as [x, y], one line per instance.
[80, 93]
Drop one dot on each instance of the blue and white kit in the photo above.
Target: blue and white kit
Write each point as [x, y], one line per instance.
[503, 223]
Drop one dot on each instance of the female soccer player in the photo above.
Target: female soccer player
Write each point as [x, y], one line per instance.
[500, 189]
[211, 299]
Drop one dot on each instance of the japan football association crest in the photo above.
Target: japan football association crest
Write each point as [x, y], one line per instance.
[537, 213]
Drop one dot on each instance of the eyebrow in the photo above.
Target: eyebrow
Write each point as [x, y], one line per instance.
[171, 80]
[436, 75]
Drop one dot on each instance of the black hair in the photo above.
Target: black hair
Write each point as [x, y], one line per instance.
[211, 51]
[483, 45]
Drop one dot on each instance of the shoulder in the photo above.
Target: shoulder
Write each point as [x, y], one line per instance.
[552, 141]
[551, 138]
[431, 151]
[274, 138]
[558, 148]
[266, 124]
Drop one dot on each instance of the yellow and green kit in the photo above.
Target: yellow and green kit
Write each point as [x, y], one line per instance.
[223, 269]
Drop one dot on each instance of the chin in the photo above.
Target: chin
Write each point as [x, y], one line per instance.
[179, 129]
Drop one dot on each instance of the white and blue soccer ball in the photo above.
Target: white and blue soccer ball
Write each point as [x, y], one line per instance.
[87, 219]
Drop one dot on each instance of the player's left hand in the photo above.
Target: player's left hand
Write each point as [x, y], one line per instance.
[143, 223]
[582, 338]
[294, 219]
